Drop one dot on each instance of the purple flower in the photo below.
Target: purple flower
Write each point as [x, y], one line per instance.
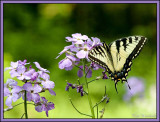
[88, 71]
[10, 83]
[71, 48]
[47, 84]
[104, 75]
[96, 41]
[33, 74]
[95, 66]
[44, 105]
[14, 65]
[73, 86]
[68, 62]
[137, 88]
[22, 74]
[40, 68]
[22, 62]
[51, 92]
[83, 52]
[45, 76]
[13, 95]
[77, 38]
[32, 91]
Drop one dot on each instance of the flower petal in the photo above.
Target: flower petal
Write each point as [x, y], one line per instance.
[9, 101]
[81, 54]
[21, 69]
[37, 88]
[6, 91]
[29, 96]
[16, 89]
[27, 86]
[40, 68]
[52, 92]
[35, 97]
[38, 108]
[48, 84]
[15, 97]
[80, 73]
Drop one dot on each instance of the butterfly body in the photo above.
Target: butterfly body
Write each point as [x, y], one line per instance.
[117, 57]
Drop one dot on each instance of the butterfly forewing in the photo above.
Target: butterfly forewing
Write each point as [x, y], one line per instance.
[101, 56]
[125, 48]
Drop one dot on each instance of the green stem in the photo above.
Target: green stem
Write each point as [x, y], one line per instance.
[25, 104]
[87, 90]
[78, 110]
[97, 110]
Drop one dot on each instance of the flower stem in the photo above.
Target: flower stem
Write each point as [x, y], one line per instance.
[25, 104]
[78, 110]
[87, 90]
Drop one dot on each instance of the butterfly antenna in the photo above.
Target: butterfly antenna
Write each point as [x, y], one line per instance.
[116, 87]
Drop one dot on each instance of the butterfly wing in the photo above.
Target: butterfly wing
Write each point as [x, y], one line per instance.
[101, 56]
[124, 50]
[117, 57]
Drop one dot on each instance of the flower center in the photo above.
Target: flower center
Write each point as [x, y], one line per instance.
[85, 49]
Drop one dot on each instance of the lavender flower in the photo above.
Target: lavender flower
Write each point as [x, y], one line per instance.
[87, 70]
[10, 83]
[79, 49]
[104, 75]
[32, 91]
[40, 80]
[13, 95]
[77, 38]
[67, 63]
[22, 74]
[48, 84]
[44, 105]
[73, 86]
[33, 74]
[40, 68]
[137, 88]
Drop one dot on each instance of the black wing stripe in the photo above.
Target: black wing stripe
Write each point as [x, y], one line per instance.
[124, 43]
[97, 61]
[138, 48]
[118, 45]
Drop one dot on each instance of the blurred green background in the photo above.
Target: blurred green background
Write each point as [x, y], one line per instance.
[37, 32]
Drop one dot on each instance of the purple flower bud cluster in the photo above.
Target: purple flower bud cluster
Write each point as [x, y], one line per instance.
[78, 52]
[35, 82]
[73, 86]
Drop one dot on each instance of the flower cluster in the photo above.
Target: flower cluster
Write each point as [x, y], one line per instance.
[73, 86]
[77, 52]
[34, 81]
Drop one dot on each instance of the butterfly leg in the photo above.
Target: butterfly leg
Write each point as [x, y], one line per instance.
[127, 84]
[116, 86]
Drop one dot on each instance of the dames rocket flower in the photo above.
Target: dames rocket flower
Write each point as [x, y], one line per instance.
[77, 52]
[35, 81]
[32, 91]
[44, 105]
[73, 86]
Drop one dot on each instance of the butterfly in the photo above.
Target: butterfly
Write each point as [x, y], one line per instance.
[117, 57]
